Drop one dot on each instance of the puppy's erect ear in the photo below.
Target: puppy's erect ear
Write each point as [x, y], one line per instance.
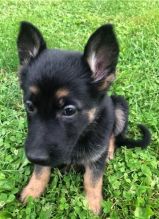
[30, 42]
[101, 54]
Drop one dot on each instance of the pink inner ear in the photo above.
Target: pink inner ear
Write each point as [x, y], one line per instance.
[99, 66]
[100, 63]
[100, 71]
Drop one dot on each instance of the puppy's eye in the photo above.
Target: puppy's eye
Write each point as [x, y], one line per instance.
[69, 110]
[30, 107]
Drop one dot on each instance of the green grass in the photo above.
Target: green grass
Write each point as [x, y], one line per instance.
[131, 180]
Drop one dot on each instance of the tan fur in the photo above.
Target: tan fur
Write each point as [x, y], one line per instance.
[91, 114]
[93, 189]
[120, 120]
[111, 148]
[62, 92]
[107, 82]
[34, 89]
[37, 184]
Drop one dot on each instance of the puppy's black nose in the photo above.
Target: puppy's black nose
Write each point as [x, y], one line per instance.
[38, 158]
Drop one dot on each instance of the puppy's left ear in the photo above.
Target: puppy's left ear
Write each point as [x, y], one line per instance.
[30, 43]
[101, 53]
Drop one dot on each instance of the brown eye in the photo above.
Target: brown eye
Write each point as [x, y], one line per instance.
[30, 107]
[69, 110]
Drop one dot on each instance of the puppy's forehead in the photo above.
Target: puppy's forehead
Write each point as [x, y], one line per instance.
[58, 72]
[57, 60]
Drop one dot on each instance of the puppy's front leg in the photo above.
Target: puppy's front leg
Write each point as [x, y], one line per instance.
[93, 180]
[37, 183]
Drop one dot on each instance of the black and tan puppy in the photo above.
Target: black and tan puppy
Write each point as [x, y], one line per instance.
[71, 120]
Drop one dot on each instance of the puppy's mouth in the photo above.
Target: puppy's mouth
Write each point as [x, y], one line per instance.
[40, 160]
[48, 162]
[51, 159]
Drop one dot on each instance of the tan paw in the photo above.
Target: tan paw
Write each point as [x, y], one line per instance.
[110, 156]
[27, 192]
[37, 183]
[94, 204]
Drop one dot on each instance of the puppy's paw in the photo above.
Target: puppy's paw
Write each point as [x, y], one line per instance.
[29, 191]
[111, 149]
[37, 183]
[110, 156]
[94, 203]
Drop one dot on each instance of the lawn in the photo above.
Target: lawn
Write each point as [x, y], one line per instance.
[131, 180]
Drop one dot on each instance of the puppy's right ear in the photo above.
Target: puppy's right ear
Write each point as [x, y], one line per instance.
[30, 43]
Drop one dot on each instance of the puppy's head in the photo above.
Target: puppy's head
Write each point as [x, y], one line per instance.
[62, 90]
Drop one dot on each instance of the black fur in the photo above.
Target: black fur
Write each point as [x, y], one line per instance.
[130, 143]
[57, 132]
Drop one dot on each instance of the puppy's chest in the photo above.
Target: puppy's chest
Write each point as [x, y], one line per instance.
[92, 145]
[89, 151]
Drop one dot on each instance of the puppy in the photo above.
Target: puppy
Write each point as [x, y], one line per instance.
[71, 119]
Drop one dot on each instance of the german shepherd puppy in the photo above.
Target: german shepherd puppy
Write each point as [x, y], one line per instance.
[71, 119]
